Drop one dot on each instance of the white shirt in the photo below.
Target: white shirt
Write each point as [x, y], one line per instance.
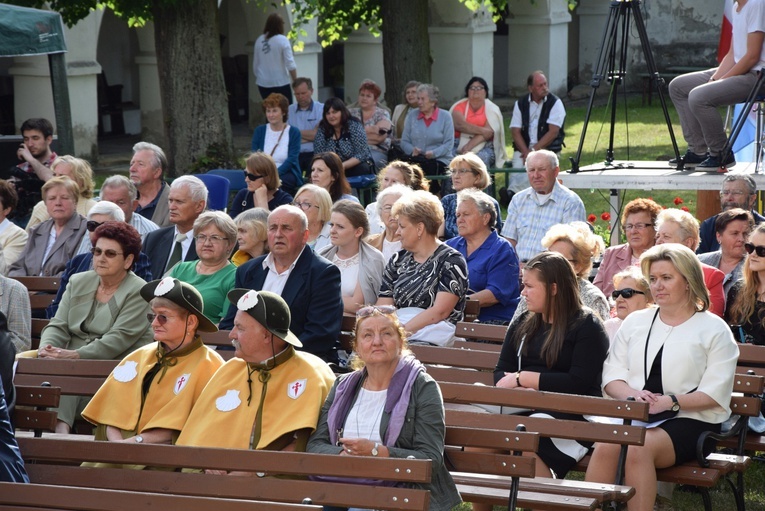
[279, 152]
[556, 117]
[272, 61]
[276, 281]
[751, 18]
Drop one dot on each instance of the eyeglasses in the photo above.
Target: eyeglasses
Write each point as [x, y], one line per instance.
[637, 227]
[92, 225]
[461, 172]
[305, 205]
[161, 318]
[627, 292]
[476, 88]
[212, 239]
[251, 176]
[759, 249]
[735, 193]
[367, 311]
[109, 253]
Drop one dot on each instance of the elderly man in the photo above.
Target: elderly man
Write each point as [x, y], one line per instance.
[738, 191]
[269, 396]
[305, 115]
[537, 121]
[546, 203]
[121, 191]
[146, 170]
[103, 211]
[308, 283]
[170, 245]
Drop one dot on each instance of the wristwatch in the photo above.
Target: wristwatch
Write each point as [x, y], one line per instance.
[675, 403]
[138, 439]
[375, 452]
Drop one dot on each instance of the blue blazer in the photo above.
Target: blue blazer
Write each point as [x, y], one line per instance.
[312, 292]
[289, 171]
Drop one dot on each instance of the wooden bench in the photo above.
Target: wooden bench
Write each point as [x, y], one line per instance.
[480, 336]
[30, 411]
[74, 377]
[38, 497]
[50, 461]
[42, 290]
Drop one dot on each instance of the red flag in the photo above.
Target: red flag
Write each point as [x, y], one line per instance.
[726, 31]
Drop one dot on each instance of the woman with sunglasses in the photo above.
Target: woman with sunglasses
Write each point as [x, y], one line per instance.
[149, 395]
[317, 206]
[557, 345]
[388, 407]
[631, 293]
[263, 186]
[102, 314]
[213, 274]
[746, 300]
[677, 357]
[732, 228]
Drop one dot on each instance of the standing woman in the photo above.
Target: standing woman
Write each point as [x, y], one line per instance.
[327, 172]
[376, 121]
[272, 61]
[344, 135]
[251, 235]
[478, 125]
[389, 240]
[746, 300]
[732, 228]
[317, 206]
[396, 172]
[281, 141]
[678, 357]
[361, 266]
[555, 346]
[263, 186]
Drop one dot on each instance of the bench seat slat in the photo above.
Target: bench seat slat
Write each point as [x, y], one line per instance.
[540, 501]
[490, 463]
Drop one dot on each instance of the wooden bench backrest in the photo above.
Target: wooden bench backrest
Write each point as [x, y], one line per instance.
[751, 357]
[472, 310]
[40, 284]
[30, 410]
[458, 365]
[481, 331]
[75, 377]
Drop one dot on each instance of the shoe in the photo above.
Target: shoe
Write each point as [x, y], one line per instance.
[690, 158]
[713, 162]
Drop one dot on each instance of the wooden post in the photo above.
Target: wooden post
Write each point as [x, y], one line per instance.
[707, 204]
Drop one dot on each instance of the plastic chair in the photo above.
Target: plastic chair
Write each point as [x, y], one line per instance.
[217, 187]
[235, 178]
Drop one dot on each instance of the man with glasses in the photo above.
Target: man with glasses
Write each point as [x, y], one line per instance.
[307, 282]
[738, 191]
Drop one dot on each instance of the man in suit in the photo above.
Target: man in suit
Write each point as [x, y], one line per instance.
[308, 283]
[146, 171]
[170, 245]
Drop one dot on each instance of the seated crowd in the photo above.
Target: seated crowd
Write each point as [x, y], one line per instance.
[292, 259]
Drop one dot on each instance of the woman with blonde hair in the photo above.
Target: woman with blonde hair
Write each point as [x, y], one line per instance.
[79, 171]
[263, 186]
[251, 235]
[317, 206]
[397, 172]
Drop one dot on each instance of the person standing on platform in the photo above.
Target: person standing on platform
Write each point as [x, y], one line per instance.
[738, 191]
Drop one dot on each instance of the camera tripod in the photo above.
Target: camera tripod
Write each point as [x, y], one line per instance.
[611, 66]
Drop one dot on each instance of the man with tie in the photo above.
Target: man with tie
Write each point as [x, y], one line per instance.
[170, 245]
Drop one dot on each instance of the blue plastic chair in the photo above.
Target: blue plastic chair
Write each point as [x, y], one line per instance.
[217, 188]
[364, 186]
[235, 178]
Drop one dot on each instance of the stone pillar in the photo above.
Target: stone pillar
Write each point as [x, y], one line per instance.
[363, 60]
[592, 23]
[149, 96]
[538, 39]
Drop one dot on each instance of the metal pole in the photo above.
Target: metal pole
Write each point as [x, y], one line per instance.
[60, 85]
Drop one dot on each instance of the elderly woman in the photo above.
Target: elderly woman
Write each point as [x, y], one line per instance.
[557, 345]
[402, 110]
[263, 186]
[679, 358]
[213, 274]
[631, 293]
[389, 241]
[102, 314]
[732, 228]
[251, 235]
[79, 171]
[678, 226]
[746, 299]
[355, 420]
[361, 266]
[340, 133]
[53, 243]
[478, 125]
[12, 237]
[149, 395]
[427, 280]
[638, 221]
[281, 141]
[376, 121]
[491, 259]
[397, 172]
[428, 135]
[580, 247]
[327, 171]
[467, 171]
[317, 206]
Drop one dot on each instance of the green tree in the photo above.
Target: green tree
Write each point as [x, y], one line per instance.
[194, 99]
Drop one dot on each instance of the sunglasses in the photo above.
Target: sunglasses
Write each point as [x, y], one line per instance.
[367, 311]
[109, 253]
[759, 249]
[627, 292]
[92, 225]
[251, 176]
[161, 318]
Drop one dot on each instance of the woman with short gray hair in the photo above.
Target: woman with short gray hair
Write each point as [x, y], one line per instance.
[251, 234]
